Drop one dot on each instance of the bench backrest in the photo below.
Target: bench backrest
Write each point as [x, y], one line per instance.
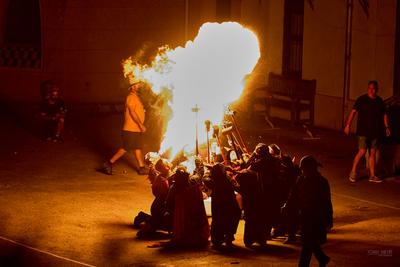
[293, 88]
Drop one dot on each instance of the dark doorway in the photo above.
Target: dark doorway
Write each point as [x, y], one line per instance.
[293, 38]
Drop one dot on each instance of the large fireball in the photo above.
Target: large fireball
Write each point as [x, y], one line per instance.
[208, 73]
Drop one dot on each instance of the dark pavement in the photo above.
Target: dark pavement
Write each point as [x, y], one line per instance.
[56, 210]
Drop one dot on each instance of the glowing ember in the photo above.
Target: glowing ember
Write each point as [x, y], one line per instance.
[207, 72]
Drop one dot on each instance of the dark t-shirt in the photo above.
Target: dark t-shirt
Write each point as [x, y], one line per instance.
[370, 116]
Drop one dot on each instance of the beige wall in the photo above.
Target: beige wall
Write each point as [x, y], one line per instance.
[266, 19]
[373, 47]
[99, 35]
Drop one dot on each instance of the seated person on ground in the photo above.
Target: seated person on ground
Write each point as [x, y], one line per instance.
[52, 111]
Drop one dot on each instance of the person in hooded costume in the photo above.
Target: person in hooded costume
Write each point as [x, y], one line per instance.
[288, 174]
[186, 207]
[267, 168]
[311, 196]
[250, 188]
[225, 209]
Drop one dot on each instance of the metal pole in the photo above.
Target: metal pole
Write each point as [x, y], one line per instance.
[208, 127]
[235, 124]
[196, 109]
[347, 58]
[221, 148]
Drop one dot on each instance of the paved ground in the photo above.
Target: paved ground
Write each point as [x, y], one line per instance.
[56, 210]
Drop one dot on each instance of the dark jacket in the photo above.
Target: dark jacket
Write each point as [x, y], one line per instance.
[311, 197]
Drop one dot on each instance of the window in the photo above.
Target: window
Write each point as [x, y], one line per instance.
[21, 47]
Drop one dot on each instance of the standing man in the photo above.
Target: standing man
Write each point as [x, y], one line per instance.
[132, 131]
[372, 125]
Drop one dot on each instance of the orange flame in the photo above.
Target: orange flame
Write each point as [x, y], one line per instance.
[208, 73]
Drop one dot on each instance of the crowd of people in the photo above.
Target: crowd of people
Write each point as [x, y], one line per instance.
[274, 196]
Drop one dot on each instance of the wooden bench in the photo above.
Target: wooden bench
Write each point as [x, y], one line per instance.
[290, 94]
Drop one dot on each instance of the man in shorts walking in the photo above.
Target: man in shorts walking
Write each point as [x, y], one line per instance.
[132, 131]
[372, 126]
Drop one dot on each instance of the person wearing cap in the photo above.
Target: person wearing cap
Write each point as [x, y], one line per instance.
[311, 197]
[372, 126]
[132, 131]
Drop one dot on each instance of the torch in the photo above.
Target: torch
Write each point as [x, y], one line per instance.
[196, 109]
[236, 127]
[208, 126]
[216, 135]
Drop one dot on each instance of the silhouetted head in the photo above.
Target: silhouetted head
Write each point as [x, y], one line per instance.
[261, 150]
[54, 92]
[274, 150]
[181, 176]
[308, 165]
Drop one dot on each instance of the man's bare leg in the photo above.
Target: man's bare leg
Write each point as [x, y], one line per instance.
[60, 127]
[107, 166]
[139, 157]
[359, 155]
[117, 155]
[372, 166]
[372, 161]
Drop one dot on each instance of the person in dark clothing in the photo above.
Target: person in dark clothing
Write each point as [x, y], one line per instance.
[52, 111]
[250, 188]
[311, 196]
[372, 126]
[267, 168]
[185, 205]
[224, 207]
[288, 174]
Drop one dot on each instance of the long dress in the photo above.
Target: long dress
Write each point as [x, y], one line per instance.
[225, 209]
[250, 188]
[185, 204]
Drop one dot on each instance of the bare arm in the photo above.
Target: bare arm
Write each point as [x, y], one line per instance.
[386, 122]
[349, 121]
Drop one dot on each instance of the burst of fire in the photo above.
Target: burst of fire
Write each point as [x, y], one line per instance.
[208, 73]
